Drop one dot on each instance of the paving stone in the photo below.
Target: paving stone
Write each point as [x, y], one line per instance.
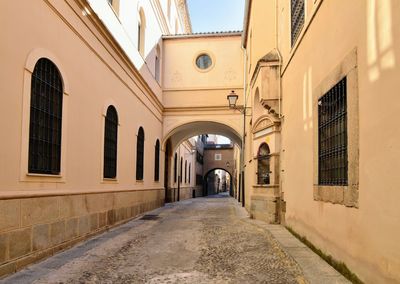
[209, 240]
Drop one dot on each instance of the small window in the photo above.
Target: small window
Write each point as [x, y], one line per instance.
[45, 119]
[263, 165]
[110, 143]
[203, 61]
[218, 157]
[297, 19]
[176, 167]
[140, 154]
[190, 171]
[332, 136]
[185, 171]
[180, 170]
[157, 161]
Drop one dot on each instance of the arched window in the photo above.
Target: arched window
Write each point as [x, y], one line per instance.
[175, 167]
[110, 143]
[180, 170]
[157, 161]
[141, 32]
[140, 154]
[45, 119]
[263, 158]
[190, 167]
[185, 171]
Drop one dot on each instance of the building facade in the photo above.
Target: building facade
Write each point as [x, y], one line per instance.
[100, 105]
[319, 76]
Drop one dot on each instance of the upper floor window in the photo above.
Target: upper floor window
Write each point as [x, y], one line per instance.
[141, 32]
[263, 166]
[110, 143]
[45, 119]
[332, 136]
[140, 154]
[157, 161]
[297, 19]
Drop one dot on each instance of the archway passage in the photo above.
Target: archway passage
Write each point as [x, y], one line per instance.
[184, 131]
[218, 181]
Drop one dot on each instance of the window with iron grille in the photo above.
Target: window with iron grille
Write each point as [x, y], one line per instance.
[297, 19]
[190, 167]
[175, 167]
[110, 143]
[263, 164]
[185, 171]
[157, 161]
[45, 119]
[332, 136]
[180, 170]
[140, 154]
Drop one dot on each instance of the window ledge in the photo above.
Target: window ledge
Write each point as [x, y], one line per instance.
[44, 175]
[336, 194]
[109, 181]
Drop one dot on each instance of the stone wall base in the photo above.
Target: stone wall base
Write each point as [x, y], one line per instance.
[47, 225]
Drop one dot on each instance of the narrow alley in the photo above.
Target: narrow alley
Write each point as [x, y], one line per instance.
[202, 240]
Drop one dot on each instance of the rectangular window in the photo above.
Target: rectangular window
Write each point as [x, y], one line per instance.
[332, 136]
[218, 157]
[297, 19]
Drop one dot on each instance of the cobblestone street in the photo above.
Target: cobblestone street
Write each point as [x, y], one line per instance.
[203, 240]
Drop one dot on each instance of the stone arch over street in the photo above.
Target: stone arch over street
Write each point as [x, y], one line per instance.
[178, 132]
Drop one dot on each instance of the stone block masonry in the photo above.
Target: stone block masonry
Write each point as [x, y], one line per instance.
[34, 228]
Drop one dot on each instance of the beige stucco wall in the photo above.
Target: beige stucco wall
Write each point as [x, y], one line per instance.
[365, 238]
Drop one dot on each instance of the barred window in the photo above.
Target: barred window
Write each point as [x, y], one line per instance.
[297, 19]
[110, 143]
[332, 136]
[180, 170]
[185, 171]
[190, 167]
[45, 119]
[140, 154]
[175, 167]
[263, 165]
[157, 161]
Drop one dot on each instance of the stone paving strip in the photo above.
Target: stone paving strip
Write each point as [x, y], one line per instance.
[202, 240]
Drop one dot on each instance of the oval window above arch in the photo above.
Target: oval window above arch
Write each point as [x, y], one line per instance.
[204, 61]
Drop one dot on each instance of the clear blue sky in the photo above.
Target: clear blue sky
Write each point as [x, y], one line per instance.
[216, 15]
